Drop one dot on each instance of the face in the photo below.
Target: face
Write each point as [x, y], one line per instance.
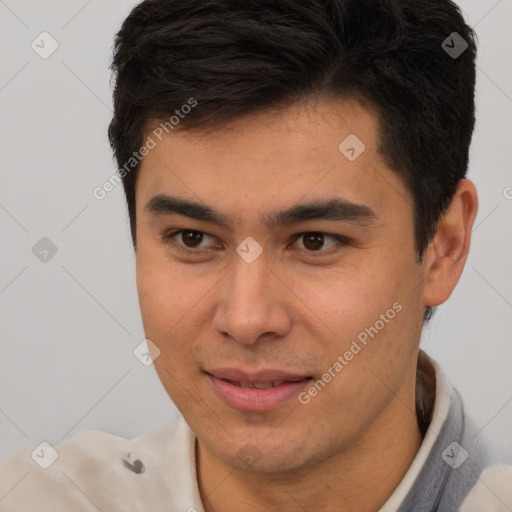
[277, 276]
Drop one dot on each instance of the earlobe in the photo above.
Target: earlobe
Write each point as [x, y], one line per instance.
[446, 254]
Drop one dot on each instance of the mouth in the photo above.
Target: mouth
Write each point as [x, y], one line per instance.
[257, 392]
[261, 385]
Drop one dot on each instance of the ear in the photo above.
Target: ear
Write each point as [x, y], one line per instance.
[446, 254]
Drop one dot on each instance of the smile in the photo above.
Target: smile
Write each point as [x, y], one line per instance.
[257, 385]
[256, 394]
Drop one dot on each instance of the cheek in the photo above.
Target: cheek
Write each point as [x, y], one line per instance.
[173, 306]
[168, 294]
[169, 308]
[370, 318]
[377, 350]
[345, 301]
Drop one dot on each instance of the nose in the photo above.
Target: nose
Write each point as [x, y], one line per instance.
[253, 302]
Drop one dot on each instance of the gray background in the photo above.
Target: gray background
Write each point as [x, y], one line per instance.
[69, 326]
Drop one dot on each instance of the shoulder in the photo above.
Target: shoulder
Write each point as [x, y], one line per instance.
[90, 470]
[492, 491]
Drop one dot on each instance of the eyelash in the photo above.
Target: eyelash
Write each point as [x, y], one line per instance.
[168, 239]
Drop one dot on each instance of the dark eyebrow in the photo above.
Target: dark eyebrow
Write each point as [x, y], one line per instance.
[167, 205]
[332, 209]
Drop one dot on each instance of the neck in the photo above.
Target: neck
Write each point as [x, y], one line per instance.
[361, 477]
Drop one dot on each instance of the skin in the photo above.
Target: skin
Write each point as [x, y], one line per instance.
[293, 308]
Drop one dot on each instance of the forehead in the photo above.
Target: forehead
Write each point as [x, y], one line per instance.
[302, 127]
[273, 159]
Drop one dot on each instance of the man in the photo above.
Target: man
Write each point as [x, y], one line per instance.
[296, 215]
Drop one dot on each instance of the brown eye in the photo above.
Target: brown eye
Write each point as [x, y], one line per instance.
[189, 241]
[319, 242]
[191, 238]
[313, 241]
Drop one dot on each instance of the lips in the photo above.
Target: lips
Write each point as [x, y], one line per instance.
[264, 376]
[257, 385]
[258, 391]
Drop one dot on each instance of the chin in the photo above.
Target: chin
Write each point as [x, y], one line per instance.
[263, 456]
